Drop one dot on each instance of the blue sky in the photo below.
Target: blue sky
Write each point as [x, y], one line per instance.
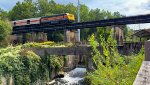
[126, 7]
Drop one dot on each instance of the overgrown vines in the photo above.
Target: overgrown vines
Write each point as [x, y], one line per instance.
[25, 67]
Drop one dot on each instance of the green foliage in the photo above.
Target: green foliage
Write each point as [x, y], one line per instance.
[43, 45]
[56, 62]
[56, 36]
[22, 64]
[3, 14]
[5, 30]
[22, 10]
[49, 63]
[70, 8]
[43, 7]
[111, 67]
[25, 66]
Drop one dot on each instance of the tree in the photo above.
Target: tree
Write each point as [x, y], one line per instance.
[22, 10]
[117, 15]
[70, 8]
[5, 30]
[110, 67]
[3, 14]
[84, 11]
[43, 8]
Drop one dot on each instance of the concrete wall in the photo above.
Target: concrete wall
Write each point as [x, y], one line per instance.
[129, 48]
[143, 76]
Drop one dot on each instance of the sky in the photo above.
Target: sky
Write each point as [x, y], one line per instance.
[125, 7]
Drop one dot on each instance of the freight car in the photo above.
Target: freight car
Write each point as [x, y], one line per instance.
[54, 19]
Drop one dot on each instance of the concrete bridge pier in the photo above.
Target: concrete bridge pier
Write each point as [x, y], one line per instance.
[71, 36]
[66, 35]
[73, 60]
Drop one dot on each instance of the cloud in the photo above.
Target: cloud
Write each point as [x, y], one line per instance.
[126, 7]
[134, 7]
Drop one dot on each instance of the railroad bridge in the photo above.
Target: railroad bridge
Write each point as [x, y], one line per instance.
[41, 30]
[82, 25]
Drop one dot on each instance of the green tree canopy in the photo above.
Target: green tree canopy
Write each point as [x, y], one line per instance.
[22, 10]
[43, 8]
[3, 14]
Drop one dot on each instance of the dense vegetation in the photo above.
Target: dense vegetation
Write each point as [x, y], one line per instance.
[25, 67]
[5, 31]
[112, 67]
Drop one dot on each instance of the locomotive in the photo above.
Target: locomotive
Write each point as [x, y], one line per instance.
[54, 19]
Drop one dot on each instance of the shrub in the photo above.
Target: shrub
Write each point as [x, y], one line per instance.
[5, 30]
[25, 66]
[43, 45]
[112, 68]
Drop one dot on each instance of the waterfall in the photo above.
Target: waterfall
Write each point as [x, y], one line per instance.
[74, 77]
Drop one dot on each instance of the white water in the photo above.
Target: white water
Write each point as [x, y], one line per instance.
[72, 78]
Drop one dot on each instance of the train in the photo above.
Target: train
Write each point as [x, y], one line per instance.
[54, 19]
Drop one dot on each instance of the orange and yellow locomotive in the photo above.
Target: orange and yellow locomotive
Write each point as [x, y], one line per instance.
[54, 19]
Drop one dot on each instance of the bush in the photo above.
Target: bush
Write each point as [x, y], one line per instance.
[111, 67]
[5, 30]
[43, 45]
[25, 66]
